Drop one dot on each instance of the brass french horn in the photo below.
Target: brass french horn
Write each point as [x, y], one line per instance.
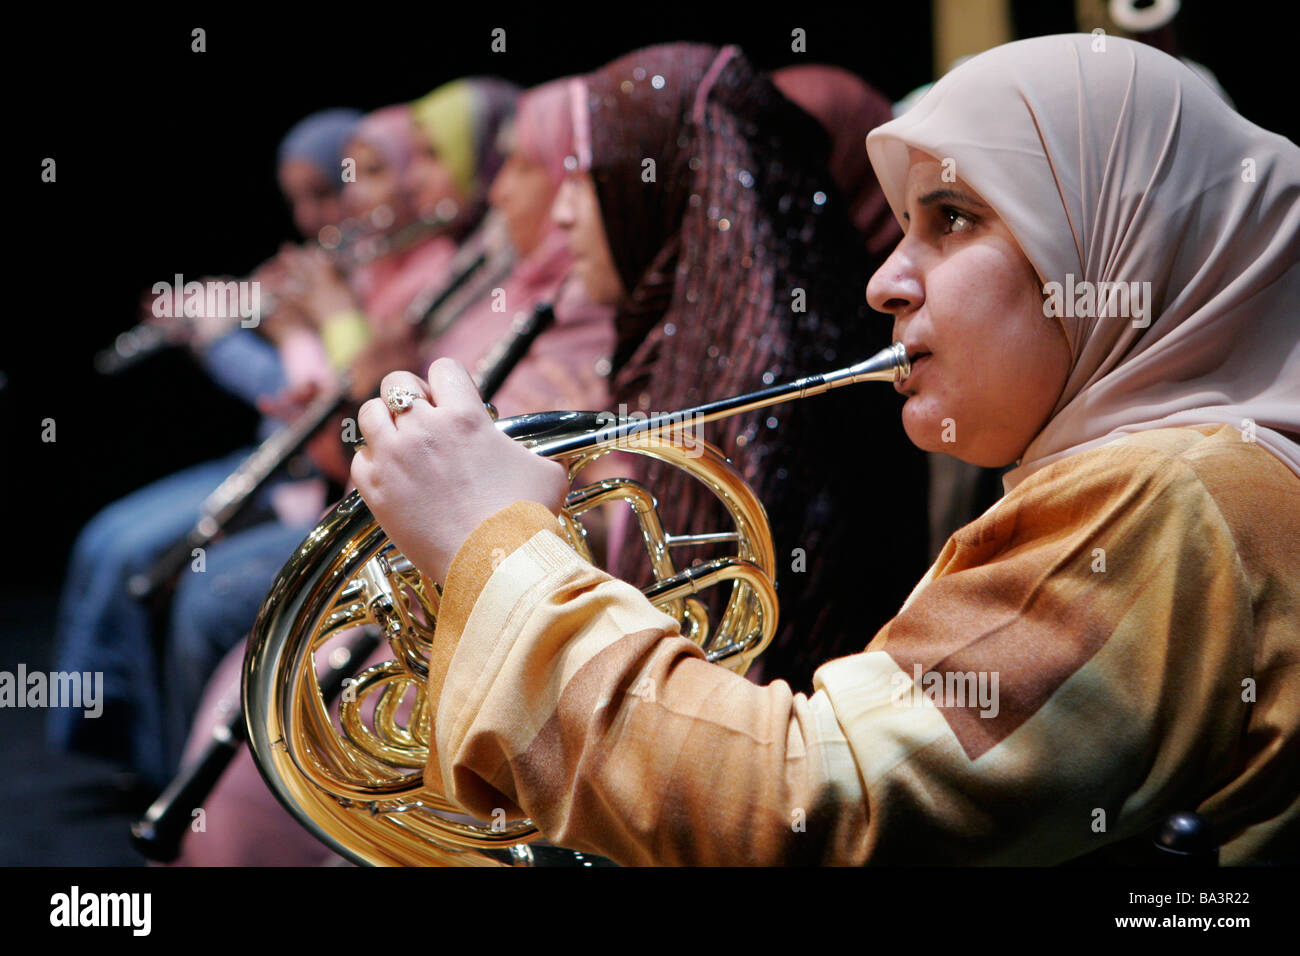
[354, 778]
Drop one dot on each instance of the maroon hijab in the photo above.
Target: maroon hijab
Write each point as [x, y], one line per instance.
[743, 269]
[848, 109]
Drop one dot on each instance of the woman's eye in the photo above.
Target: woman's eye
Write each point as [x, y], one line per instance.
[957, 221]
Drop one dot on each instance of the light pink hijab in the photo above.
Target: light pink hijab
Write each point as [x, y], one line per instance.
[388, 131]
[561, 368]
[544, 126]
[1118, 163]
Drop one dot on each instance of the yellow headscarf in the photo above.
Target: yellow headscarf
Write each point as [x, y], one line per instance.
[447, 117]
[462, 119]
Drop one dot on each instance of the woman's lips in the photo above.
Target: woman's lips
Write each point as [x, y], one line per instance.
[905, 387]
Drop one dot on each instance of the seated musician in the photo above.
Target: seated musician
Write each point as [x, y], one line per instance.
[100, 627]
[562, 368]
[429, 162]
[721, 270]
[701, 297]
[1132, 604]
[212, 612]
[568, 365]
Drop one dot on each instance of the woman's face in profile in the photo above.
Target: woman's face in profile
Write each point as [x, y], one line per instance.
[577, 212]
[376, 194]
[430, 183]
[523, 193]
[314, 200]
[988, 366]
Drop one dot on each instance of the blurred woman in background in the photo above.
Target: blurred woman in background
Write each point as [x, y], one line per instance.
[737, 266]
[398, 174]
[102, 628]
[568, 365]
[565, 368]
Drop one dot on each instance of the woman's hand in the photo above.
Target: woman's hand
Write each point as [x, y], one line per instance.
[312, 285]
[288, 405]
[433, 473]
[189, 329]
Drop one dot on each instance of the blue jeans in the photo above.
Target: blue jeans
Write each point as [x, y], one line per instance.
[102, 628]
[214, 610]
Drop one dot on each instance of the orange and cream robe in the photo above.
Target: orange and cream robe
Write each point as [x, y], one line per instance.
[1116, 639]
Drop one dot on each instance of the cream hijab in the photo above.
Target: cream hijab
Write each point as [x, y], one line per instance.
[1110, 161]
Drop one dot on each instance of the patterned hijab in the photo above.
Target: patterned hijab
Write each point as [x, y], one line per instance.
[744, 270]
[1111, 162]
[848, 109]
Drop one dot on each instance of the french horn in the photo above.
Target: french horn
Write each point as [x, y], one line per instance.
[354, 776]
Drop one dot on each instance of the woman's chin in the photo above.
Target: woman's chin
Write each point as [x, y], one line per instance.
[936, 432]
[579, 273]
[926, 429]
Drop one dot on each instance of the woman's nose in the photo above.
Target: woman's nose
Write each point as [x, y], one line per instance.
[417, 174]
[409, 182]
[562, 208]
[896, 287]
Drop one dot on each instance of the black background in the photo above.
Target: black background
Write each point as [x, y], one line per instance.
[166, 164]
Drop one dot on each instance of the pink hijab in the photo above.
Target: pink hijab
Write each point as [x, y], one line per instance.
[388, 131]
[1112, 162]
[544, 127]
[561, 369]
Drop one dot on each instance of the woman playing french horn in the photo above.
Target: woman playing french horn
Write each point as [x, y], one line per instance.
[1134, 599]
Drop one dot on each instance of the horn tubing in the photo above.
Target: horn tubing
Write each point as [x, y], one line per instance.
[888, 365]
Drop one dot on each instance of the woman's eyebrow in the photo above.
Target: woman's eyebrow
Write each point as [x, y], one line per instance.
[950, 195]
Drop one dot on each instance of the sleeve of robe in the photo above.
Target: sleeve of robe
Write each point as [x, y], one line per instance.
[244, 364]
[1102, 603]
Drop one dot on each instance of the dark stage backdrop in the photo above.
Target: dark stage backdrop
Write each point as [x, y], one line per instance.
[165, 165]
